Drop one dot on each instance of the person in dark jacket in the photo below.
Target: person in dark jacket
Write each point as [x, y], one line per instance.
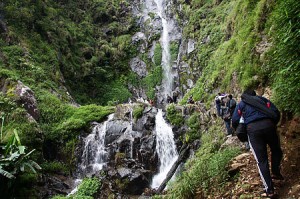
[227, 114]
[261, 116]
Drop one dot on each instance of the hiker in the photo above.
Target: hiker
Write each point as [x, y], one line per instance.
[169, 99]
[151, 102]
[261, 116]
[190, 100]
[231, 104]
[227, 114]
[218, 102]
[175, 96]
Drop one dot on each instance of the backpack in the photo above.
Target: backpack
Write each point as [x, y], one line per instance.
[263, 105]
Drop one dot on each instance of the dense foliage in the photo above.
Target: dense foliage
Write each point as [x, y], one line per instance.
[284, 64]
[83, 41]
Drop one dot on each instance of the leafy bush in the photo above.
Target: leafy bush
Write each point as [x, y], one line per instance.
[174, 116]
[88, 187]
[194, 128]
[153, 79]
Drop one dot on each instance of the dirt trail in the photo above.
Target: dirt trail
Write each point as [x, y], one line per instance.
[248, 184]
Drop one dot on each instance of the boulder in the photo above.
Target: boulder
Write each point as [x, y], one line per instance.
[114, 130]
[25, 96]
[138, 66]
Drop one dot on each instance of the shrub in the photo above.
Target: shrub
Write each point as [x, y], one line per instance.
[174, 116]
[54, 167]
[194, 128]
[88, 187]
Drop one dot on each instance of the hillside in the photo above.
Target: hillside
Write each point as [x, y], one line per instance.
[66, 64]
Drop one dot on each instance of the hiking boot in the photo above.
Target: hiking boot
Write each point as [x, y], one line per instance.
[271, 195]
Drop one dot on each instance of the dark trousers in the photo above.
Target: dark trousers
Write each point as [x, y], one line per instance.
[258, 140]
[228, 127]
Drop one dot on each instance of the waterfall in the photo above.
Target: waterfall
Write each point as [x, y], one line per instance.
[94, 155]
[165, 148]
[167, 82]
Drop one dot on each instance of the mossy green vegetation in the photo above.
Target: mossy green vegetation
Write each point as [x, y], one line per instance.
[90, 50]
[86, 190]
[153, 79]
[228, 33]
[194, 128]
[157, 54]
[138, 111]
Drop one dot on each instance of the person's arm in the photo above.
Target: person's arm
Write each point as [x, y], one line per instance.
[237, 114]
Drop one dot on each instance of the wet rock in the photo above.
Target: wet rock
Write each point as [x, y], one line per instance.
[115, 129]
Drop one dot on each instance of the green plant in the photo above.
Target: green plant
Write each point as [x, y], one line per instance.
[283, 58]
[194, 128]
[157, 54]
[14, 159]
[153, 79]
[138, 112]
[207, 170]
[88, 187]
[174, 116]
[77, 118]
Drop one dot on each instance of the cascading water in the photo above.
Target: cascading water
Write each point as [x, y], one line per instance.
[94, 155]
[167, 82]
[165, 148]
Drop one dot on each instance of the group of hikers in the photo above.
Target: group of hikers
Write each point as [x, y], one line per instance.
[260, 116]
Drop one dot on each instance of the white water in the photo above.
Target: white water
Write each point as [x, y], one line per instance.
[94, 155]
[165, 148]
[167, 81]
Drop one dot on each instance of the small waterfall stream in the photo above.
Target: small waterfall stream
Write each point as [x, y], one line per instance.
[165, 147]
[167, 81]
[94, 155]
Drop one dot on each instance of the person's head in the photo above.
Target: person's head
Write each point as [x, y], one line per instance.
[250, 92]
[230, 96]
[219, 94]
